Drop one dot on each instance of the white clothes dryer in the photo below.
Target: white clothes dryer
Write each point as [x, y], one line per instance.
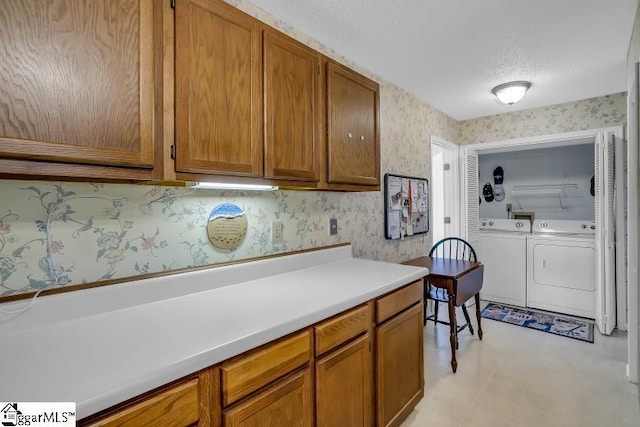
[561, 274]
[502, 249]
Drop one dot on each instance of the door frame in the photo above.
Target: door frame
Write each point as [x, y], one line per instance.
[633, 190]
[454, 201]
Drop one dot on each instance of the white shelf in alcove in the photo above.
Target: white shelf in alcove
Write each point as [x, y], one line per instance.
[542, 190]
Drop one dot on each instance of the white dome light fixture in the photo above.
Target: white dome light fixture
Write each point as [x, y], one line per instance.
[512, 92]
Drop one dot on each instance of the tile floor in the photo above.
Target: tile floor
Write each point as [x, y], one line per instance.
[521, 377]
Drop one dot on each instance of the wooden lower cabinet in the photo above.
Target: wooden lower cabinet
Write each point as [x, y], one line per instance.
[187, 403]
[287, 403]
[399, 366]
[344, 386]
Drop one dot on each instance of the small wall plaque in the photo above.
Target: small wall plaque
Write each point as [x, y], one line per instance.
[227, 226]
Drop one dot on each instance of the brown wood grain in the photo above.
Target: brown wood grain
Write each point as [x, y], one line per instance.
[218, 74]
[208, 391]
[287, 403]
[399, 366]
[399, 300]
[56, 171]
[77, 82]
[251, 371]
[344, 395]
[340, 329]
[164, 168]
[444, 267]
[293, 119]
[173, 407]
[353, 142]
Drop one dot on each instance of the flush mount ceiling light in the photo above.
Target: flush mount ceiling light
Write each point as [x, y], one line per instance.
[232, 186]
[512, 92]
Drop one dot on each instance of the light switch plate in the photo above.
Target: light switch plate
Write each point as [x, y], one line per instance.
[277, 232]
[333, 226]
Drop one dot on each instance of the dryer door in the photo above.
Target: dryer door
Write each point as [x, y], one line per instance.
[564, 266]
[561, 275]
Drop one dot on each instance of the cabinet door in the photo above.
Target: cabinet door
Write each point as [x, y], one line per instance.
[344, 386]
[353, 136]
[293, 117]
[218, 89]
[399, 366]
[287, 403]
[77, 81]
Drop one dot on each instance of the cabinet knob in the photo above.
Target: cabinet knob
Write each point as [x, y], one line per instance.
[350, 135]
[361, 137]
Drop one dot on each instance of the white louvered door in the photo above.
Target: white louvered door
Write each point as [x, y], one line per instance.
[472, 209]
[598, 199]
[605, 233]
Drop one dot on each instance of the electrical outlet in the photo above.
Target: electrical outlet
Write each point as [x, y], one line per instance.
[276, 232]
[333, 226]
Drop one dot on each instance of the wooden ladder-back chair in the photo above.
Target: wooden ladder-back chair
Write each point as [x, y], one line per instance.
[452, 248]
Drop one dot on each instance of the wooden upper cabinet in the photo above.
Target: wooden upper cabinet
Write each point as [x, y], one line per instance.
[293, 115]
[76, 82]
[218, 106]
[353, 127]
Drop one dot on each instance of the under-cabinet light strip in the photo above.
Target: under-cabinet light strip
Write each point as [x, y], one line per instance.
[233, 186]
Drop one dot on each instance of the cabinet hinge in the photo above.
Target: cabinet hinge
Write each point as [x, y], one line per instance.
[173, 151]
[173, 4]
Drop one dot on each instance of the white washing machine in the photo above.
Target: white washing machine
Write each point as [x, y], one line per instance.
[502, 248]
[561, 272]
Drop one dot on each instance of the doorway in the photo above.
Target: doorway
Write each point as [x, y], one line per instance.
[445, 189]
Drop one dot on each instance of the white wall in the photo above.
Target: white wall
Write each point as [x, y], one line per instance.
[634, 214]
[562, 165]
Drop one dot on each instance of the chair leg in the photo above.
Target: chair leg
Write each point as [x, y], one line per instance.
[478, 315]
[466, 317]
[453, 337]
[435, 310]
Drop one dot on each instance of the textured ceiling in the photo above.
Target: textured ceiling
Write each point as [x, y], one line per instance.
[450, 53]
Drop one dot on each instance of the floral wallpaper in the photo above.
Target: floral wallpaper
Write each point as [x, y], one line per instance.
[57, 234]
[603, 111]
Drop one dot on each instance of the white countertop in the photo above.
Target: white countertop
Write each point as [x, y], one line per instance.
[101, 346]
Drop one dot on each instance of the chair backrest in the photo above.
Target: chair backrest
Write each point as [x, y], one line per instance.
[453, 248]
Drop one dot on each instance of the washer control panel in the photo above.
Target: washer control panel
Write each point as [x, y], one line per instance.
[499, 224]
[559, 226]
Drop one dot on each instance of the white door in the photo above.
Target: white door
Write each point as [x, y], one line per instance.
[605, 233]
[445, 190]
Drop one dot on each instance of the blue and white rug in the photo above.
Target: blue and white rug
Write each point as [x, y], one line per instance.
[547, 322]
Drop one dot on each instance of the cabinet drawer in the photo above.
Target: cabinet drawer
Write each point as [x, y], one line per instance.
[397, 301]
[175, 406]
[255, 369]
[333, 332]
